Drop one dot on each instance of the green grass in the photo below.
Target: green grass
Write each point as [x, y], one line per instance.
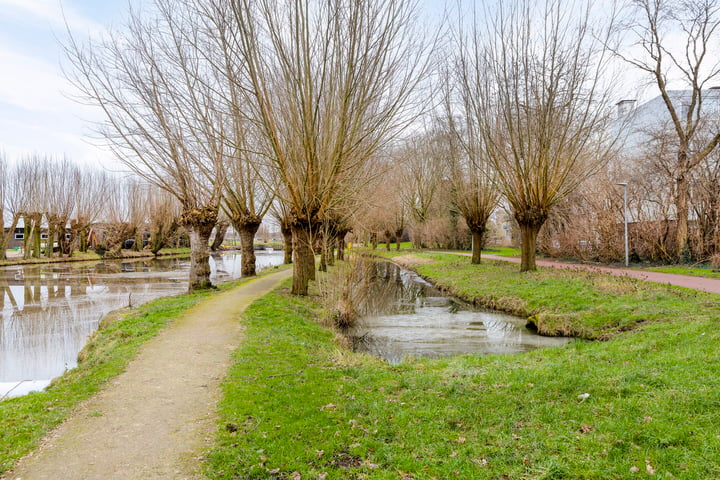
[393, 246]
[699, 271]
[502, 251]
[92, 256]
[298, 406]
[564, 302]
[24, 421]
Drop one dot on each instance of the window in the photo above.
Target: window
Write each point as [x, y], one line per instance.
[19, 236]
[44, 236]
[67, 236]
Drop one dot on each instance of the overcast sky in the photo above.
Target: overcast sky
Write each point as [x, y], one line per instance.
[36, 114]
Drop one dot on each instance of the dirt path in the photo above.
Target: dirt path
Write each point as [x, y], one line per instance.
[154, 420]
[710, 285]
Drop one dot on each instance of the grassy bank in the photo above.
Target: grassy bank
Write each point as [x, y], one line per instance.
[92, 256]
[644, 402]
[704, 270]
[24, 421]
[565, 302]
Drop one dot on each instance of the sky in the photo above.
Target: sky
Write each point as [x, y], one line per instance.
[37, 114]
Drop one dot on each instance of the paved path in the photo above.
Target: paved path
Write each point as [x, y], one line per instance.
[696, 283]
[155, 419]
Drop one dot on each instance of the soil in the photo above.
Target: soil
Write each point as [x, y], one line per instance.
[154, 420]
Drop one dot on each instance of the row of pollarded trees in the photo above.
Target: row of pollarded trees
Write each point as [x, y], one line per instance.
[63, 204]
[231, 103]
[524, 117]
[526, 109]
[56, 193]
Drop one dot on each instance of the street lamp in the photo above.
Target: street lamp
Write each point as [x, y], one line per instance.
[624, 185]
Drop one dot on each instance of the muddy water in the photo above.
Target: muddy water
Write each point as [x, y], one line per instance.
[48, 311]
[408, 316]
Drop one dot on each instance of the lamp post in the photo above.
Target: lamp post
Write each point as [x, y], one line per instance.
[624, 185]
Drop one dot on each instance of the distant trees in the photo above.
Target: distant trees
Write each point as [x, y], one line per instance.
[161, 109]
[677, 39]
[327, 84]
[5, 197]
[532, 75]
[424, 161]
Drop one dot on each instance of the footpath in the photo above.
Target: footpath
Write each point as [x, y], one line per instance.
[155, 419]
[710, 285]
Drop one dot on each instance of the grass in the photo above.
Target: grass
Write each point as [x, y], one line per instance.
[698, 271]
[296, 406]
[92, 256]
[502, 251]
[566, 302]
[24, 421]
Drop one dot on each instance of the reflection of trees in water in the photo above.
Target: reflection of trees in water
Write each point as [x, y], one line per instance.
[40, 343]
[394, 290]
[48, 311]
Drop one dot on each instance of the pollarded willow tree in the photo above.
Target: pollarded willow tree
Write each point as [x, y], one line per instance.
[533, 77]
[161, 106]
[472, 178]
[328, 83]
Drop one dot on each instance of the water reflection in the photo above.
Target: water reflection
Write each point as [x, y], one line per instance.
[48, 311]
[405, 315]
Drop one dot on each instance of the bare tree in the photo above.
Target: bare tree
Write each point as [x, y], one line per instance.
[328, 84]
[5, 194]
[246, 200]
[691, 60]
[29, 190]
[89, 199]
[163, 216]
[533, 80]
[424, 166]
[282, 214]
[161, 107]
[62, 183]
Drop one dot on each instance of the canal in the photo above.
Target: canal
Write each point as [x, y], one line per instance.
[48, 311]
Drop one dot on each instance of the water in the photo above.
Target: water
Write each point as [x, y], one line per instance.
[47, 312]
[408, 316]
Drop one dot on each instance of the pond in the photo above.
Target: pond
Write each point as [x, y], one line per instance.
[48, 311]
[409, 316]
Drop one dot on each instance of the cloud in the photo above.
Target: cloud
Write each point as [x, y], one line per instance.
[52, 12]
[32, 83]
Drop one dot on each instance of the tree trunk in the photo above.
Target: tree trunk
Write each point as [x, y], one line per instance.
[304, 265]
[199, 224]
[286, 231]
[398, 236]
[6, 238]
[247, 231]
[323, 255]
[36, 238]
[50, 241]
[330, 247]
[388, 237]
[681, 206]
[220, 231]
[528, 236]
[341, 246]
[63, 241]
[478, 236]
